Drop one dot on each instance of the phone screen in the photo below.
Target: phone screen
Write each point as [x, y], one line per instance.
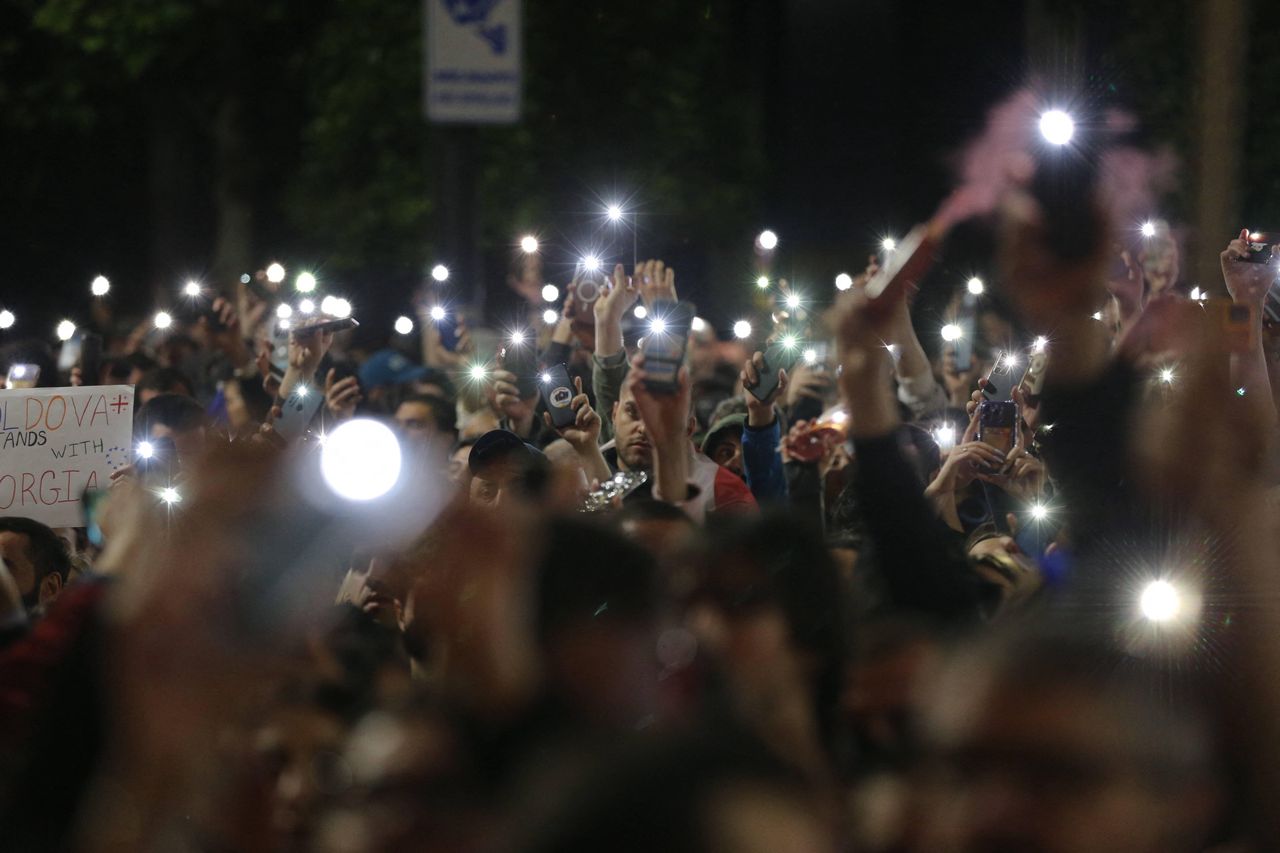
[996, 423]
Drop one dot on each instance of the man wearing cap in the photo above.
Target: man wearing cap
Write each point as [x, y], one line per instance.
[723, 442]
[505, 468]
[387, 369]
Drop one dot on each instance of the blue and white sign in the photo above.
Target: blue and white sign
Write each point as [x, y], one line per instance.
[473, 55]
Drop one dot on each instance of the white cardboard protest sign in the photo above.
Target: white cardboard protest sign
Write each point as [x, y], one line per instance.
[473, 61]
[57, 442]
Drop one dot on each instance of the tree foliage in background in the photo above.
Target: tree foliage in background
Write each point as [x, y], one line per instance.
[296, 125]
[641, 99]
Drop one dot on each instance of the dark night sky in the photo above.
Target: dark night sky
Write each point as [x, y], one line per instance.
[863, 101]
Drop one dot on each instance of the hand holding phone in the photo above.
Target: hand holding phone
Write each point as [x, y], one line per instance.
[569, 411]
[1260, 248]
[332, 326]
[763, 373]
[665, 343]
[557, 395]
[904, 267]
[997, 424]
[519, 357]
[22, 376]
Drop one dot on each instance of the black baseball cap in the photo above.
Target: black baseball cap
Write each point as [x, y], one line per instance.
[500, 445]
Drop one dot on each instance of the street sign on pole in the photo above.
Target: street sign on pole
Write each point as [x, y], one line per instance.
[473, 61]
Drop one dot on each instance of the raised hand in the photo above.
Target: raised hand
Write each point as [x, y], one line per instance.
[665, 416]
[620, 294]
[307, 348]
[865, 366]
[964, 464]
[1023, 476]
[341, 396]
[760, 412]
[226, 335]
[584, 432]
[657, 282]
[806, 381]
[1247, 283]
[584, 435]
[505, 395]
[666, 422]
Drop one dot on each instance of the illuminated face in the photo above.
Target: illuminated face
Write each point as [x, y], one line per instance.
[15, 550]
[635, 453]
[728, 454]
[495, 485]
[416, 422]
[380, 587]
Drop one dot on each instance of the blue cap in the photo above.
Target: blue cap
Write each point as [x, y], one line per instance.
[388, 367]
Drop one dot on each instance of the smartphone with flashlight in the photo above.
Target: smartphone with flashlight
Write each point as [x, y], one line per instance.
[91, 359]
[1260, 246]
[155, 460]
[997, 423]
[557, 392]
[777, 357]
[998, 383]
[520, 358]
[22, 376]
[963, 345]
[665, 344]
[903, 268]
[297, 411]
[589, 285]
[339, 324]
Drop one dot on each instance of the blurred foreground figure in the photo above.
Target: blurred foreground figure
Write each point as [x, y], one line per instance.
[1047, 742]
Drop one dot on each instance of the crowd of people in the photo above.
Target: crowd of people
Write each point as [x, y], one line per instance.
[836, 589]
